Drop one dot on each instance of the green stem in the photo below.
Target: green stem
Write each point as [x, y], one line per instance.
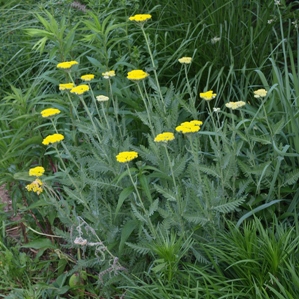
[90, 117]
[149, 222]
[115, 109]
[71, 179]
[147, 110]
[154, 66]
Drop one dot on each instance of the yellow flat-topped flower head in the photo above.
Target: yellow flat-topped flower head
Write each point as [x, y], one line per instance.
[36, 171]
[260, 93]
[102, 98]
[196, 122]
[164, 137]
[35, 186]
[208, 95]
[80, 89]
[137, 75]
[66, 65]
[87, 77]
[124, 157]
[53, 139]
[185, 60]
[192, 126]
[235, 105]
[50, 112]
[140, 18]
[66, 86]
[108, 75]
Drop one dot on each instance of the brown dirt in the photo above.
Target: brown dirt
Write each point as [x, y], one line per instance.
[13, 230]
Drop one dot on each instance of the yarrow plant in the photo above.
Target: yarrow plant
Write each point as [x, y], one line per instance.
[108, 74]
[235, 105]
[36, 186]
[189, 127]
[87, 77]
[102, 98]
[137, 75]
[36, 171]
[80, 89]
[139, 18]
[208, 95]
[260, 93]
[50, 112]
[124, 157]
[66, 64]
[185, 60]
[164, 137]
[66, 86]
[51, 139]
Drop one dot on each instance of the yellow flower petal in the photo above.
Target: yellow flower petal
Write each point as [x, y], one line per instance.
[53, 139]
[36, 171]
[66, 64]
[124, 157]
[164, 137]
[50, 112]
[87, 77]
[137, 75]
[140, 17]
[80, 89]
[185, 60]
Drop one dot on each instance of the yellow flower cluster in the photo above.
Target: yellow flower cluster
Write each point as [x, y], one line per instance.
[124, 157]
[53, 139]
[80, 89]
[260, 93]
[235, 105]
[140, 17]
[208, 95]
[66, 86]
[185, 60]
[37, 171]
[50, 112]
[137, 75]
[87, 77]
[66, 64]
[35, 186]
[108, 75]
[189, 126]
[164, 137]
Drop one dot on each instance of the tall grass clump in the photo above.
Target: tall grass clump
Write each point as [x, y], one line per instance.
[139, 160]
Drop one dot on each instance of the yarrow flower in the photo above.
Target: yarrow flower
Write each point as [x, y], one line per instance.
[208, 95]
[35, 186]
[164, 137]
[102, 98]
[185, 60]
[80, 89]
[124, 157]
[66, 86]
[215, 40]
[137, 75]
[50, 112]
[66, 64]
[87, 77]
[53, 139]
[189, 126]
[260, 93]
[36, 171]
[235, 105]
[108, 75]
[140, 17]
